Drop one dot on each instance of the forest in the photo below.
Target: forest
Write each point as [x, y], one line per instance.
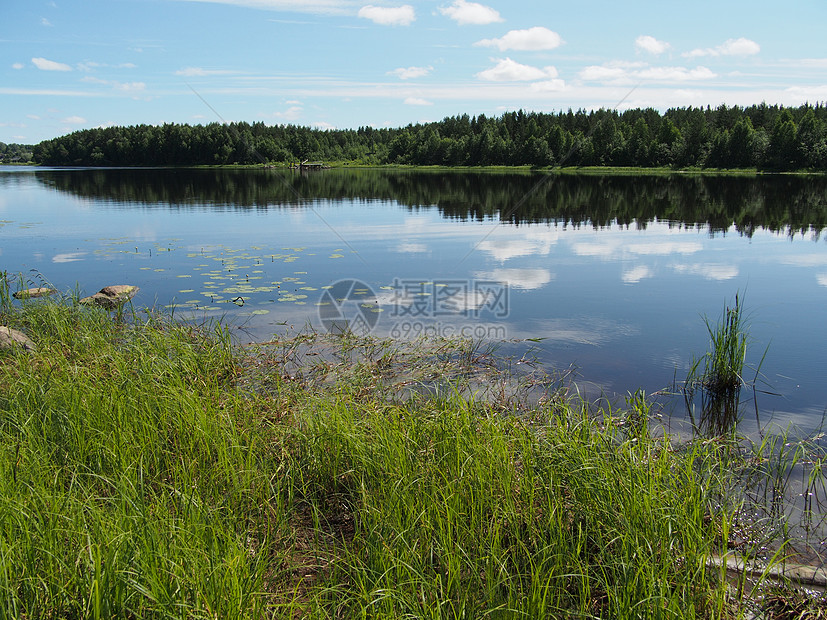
[763, 137]
[15, 153]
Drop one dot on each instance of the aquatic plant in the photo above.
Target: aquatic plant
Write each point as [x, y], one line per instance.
[718, 375]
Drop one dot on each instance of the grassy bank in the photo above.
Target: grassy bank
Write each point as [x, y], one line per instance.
[152, 469]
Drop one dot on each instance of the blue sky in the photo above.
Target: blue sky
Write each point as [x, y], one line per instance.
[74, 64]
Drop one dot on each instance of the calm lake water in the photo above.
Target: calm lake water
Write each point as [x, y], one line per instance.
[613, 274]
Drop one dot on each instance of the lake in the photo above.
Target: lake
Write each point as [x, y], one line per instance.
[612, 274]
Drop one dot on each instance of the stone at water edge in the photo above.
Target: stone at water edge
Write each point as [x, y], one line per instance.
[11, 337]
[30, 293]
[110, 297]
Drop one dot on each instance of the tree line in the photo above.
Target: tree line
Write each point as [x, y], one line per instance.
[766, 137]
[15, 153]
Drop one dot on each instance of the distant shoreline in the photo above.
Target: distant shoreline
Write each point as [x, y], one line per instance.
[585, 170]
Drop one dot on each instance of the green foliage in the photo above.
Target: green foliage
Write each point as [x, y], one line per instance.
[724, 137]
[15, 153]
[127, 488]
[456, 508]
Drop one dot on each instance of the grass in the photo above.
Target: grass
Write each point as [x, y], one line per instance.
[149, 468]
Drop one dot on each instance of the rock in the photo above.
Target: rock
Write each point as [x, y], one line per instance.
[29, 293]
[110, 297]
[12, 338]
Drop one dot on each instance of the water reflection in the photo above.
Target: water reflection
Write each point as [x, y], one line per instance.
[787, 204]
[610, 273]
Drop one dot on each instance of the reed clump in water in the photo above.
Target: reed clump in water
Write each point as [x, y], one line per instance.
[718, 376]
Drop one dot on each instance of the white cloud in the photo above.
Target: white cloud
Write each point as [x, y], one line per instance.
[603, 250]
[807, 93]
[17, 66]
[73, 120]
[45, 22]
[730, 47]
[507, 70]
[323, 125]
[412, 248]
[68, 257]
[597, 73]
[709, 271]
[646, 43]
[510, 95]
[636, 274]
[329, 7]
[124, 87]
[46, 92]
[675, 74]
[464, 13]
[533, 242]
[389, 16]
[91, 65]
[548, 86]
[618, 73]
[417, 101]
[201, 72]
[533, 39]
[407, 73]
[804, 260]
[290, 114]
[739, 47]
[518, 278]
[665, 248]
[130, 87]
[822, 279]
[50, 65]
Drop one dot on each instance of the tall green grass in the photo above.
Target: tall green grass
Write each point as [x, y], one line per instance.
[719, 374]
[149, 468]
[5, 293]
[450, 510]
[130, 484]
